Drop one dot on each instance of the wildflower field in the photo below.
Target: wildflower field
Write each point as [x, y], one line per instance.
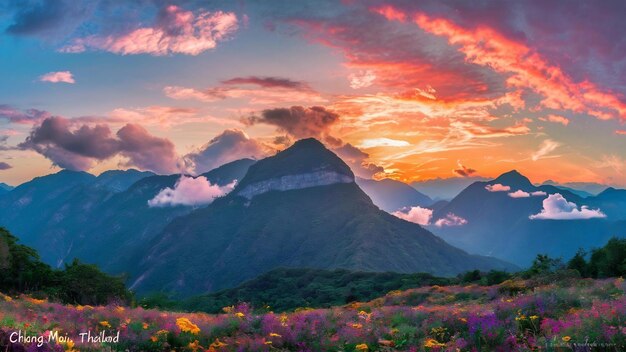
[517, 315]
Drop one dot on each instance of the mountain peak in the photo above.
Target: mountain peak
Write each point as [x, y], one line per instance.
[514, 179]
[307, 163]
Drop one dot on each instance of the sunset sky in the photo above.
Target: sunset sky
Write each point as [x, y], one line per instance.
[411, 90]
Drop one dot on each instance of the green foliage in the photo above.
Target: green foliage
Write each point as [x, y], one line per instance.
[608, 261]
[23, 272]
[287, 289]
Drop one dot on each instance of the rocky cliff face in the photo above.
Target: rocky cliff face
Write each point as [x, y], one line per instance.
[292, 182]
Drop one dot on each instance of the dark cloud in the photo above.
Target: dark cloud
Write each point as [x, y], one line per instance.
[357, 160]
[228, 146]
[298, 121]
[268, 82]
[30, 116]
[146, 151]
[48, 18]
[4, 166]
[79, 148]
[463, 170]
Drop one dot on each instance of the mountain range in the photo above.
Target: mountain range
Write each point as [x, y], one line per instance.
[511, 218]
[445, 188]
[299, 208]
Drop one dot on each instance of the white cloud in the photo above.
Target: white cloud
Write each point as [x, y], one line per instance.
[546, 147]
[417, 215]
[556, 207]
[57, 77]
[519, 194]
[538, 193]
[383, 142]
[190, 191]
[497, 188]
[450, 220]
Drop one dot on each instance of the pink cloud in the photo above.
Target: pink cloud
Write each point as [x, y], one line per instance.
[622, 132]
[497, 188]
[557, 119]
[451, 220]
[538, 193]
[556, 207]
[175, 31]
[190, 191]
[417, 215]
[519, 194]
[57, 77]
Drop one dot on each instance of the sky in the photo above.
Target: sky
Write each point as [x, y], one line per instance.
[409, 90]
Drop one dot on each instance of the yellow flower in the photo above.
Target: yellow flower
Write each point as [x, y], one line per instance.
[566, 338]
[69, 346]
[356, 326]
[283, 319]
[218, 344]
[105, 324]
[267, 342]
[229, 309]
[119, 309]
[194, 345]
[361, 347]
[145, 326]
[533, 317]
[463, 320]
[273, 334]
[240, 314]
[430, 343]
[187, 326]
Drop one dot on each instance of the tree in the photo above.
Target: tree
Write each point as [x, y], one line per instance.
[579, 263]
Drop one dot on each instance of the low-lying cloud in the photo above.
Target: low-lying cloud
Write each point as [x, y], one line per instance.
[451, 220]
[556, 207]
[497, 187]
[418, 215]
[190, 191]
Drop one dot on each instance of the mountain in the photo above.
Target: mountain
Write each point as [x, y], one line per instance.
[445, 188]
[498, 224]
[120, 180]
[74, 214]
[391, 195]
[583, 189]
[4, 188]
[299, 208]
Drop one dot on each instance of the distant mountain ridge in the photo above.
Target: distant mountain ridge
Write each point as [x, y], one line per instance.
[445, 188]
[499, 224]
[391, 195]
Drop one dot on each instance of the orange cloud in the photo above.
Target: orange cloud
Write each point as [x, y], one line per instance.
[526, 68]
